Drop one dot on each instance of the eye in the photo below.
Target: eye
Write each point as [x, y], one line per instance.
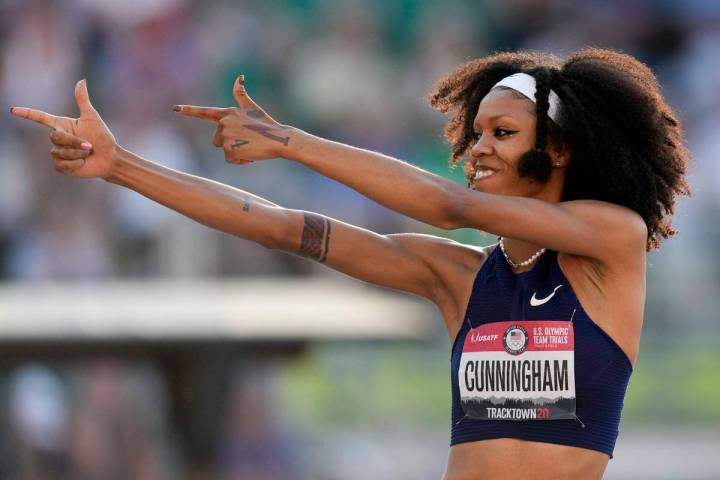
[501, 132]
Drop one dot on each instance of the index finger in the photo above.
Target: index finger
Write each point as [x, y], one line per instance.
[213, 114]
[38, 116]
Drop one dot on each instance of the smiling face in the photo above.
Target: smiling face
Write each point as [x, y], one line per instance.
[504, 132]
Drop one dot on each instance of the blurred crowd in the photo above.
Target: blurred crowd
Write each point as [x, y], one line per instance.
[356, 71]
[107, 419]
[99, 420]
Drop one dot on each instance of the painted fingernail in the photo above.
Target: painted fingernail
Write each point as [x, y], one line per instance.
[176, 108]
[86, 146]
[11, 109]
[241, 79]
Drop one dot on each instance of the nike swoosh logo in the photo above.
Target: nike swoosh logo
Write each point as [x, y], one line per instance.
[536, 302]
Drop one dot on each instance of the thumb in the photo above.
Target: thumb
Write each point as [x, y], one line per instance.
[240, 94]
[83, 98]
[245, 102]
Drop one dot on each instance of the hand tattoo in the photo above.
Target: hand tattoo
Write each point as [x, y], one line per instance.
[238, 143]
[315, 239]
[255, 114]
[264, 131]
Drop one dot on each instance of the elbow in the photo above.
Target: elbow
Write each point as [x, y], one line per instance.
[453, 215]
[278, 235]
[276, 239]
[447, 223]
[451, 221]
[272, 242]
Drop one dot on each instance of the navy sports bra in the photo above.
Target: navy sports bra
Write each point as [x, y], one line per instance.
[529, 363]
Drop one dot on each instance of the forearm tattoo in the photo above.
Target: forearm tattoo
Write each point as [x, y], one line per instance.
[315, 240]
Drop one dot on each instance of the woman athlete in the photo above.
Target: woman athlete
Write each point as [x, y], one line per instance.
[574, 164]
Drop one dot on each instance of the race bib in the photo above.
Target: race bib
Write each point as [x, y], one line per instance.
[520, 370]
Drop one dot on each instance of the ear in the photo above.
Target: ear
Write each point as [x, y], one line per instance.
[559, 154]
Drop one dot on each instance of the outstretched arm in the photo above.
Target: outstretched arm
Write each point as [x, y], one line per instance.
[431, 267]
[583, 227]
[379, 259]
[589, 228]
[358, 252]
[84, 147]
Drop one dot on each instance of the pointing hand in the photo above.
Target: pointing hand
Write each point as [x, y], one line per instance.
[83, 146]
[245, 133]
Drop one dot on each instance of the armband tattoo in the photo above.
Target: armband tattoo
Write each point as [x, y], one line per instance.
[315, 239]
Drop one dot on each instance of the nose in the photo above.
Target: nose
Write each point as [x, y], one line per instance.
[481, 147]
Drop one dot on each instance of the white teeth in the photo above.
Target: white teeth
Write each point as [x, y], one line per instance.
[482, 174]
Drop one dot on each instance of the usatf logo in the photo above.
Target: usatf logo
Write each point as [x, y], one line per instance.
[515, 340]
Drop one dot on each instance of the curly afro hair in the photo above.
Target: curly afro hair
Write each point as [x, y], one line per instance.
[626, 143]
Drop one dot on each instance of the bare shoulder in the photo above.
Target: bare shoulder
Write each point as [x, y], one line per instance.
[607, 210]
[623, 229]
[622, 237]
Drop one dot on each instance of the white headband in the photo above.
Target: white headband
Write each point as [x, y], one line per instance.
[525, 84]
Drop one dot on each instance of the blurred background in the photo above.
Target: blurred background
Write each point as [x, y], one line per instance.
[95, 384]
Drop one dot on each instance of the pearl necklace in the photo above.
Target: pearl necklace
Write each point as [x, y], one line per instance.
[521, 264]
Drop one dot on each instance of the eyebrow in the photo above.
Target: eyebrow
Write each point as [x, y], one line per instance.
[495, 117]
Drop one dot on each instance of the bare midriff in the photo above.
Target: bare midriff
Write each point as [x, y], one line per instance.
[511, 459]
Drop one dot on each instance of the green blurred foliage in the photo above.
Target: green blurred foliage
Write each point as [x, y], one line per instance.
[675, 383]
[367, 385]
